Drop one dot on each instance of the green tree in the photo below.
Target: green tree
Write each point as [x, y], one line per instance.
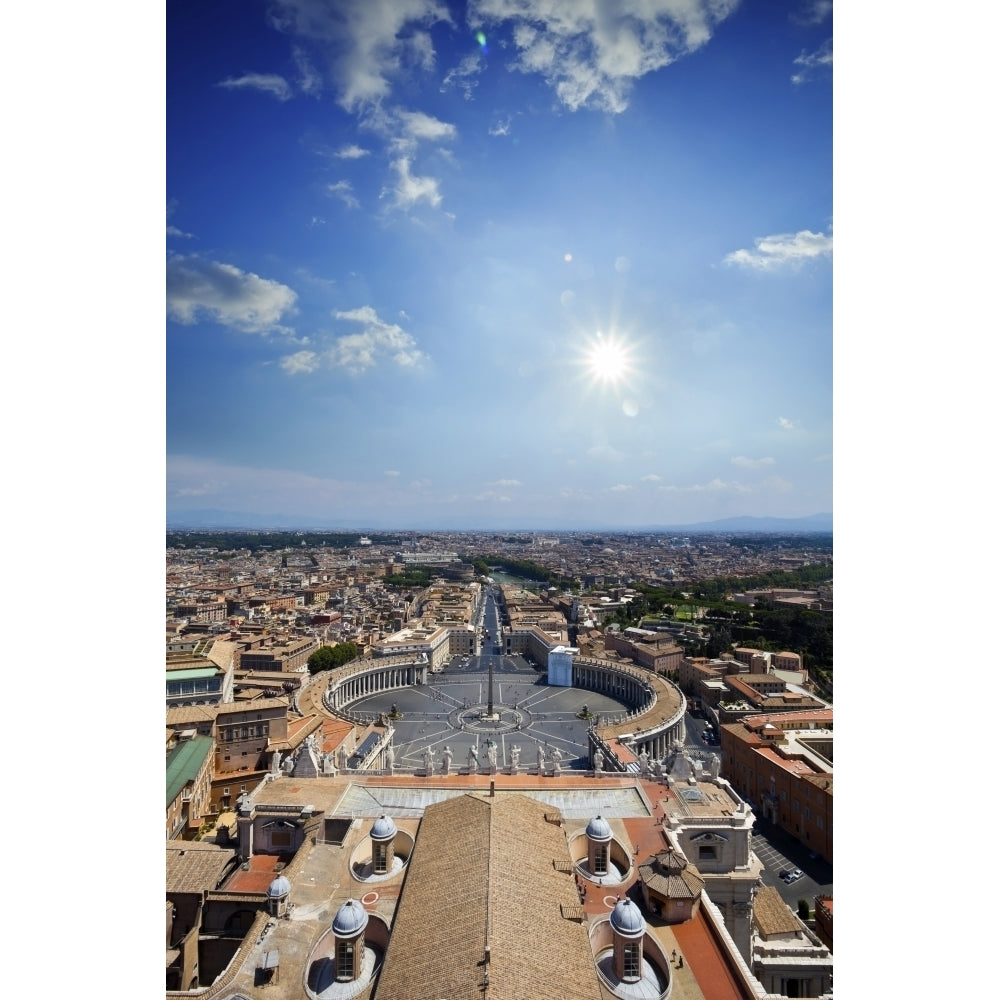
[329, 657]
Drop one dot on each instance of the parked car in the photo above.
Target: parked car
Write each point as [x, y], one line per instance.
[792, 876]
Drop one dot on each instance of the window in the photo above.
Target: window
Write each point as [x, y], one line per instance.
[601, 859]
[225, 791]
[380, 859]
[345, 960]
[632, 958]
[819, 822]
[707, 852]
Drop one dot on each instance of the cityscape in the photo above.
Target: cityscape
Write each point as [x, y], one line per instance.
[498, 475]
[605, 734]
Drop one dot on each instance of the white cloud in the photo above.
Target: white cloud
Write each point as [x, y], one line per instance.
[343, 191]
[405, 130]
[785, 424]
[505, 483]
[173, 230]
[813, 12]
[715, 486]
[269, 83]
[409, 190]
[813, 63]
[464, 75]
[302, 362]
[490, 495]
[391, 472]
[310, 82]
[751, 463]
[351, 152]
[369, 43]
[651, 478]
[420, 49]
[241, 487]
[619, 488]
[234, 298]
[776, 485]
[418, 126]
[783, 250]
[501, 127]
[591, 53]
[377, 342]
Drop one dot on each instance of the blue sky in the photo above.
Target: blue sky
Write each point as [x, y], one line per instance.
[502, 263]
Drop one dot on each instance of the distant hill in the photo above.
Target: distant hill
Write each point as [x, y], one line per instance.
[195, 520]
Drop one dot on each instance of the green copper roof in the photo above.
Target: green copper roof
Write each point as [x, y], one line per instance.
[193, 674]
[184, 762]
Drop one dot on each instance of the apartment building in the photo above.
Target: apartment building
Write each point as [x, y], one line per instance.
[652, 650]
[245, 732]
[278, 657]
[189, 783]
[782, 764]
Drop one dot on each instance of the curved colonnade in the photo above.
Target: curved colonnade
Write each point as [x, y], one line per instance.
[650, 728]
[362, 678]
[655, 721]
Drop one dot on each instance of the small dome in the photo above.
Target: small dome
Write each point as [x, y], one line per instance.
[279, 887]
[350, 919]
[599, 829]
[383, 828]
[626, 919]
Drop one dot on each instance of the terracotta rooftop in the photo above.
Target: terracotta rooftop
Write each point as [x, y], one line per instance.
[510, 896]
[771, 914]
[195, 866]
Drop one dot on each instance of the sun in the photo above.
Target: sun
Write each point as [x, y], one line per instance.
[608, 360]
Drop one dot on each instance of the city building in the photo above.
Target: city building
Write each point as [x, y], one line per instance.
[198, 678]
[189, 783]
[782, 764]
[476, 885]
[788, 959]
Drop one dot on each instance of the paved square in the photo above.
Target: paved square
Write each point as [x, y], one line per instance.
[450, 710]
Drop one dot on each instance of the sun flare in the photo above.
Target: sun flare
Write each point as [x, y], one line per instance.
[608, 360]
